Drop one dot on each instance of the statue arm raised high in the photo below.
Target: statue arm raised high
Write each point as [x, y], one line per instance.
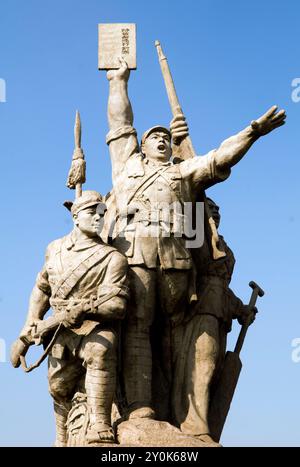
[122, 139]
[119, 108]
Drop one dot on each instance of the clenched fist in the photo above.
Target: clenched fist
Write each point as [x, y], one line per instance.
[121, 74]
[179, 129]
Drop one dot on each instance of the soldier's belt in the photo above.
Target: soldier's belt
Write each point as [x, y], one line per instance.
[157, 216]
[87, 304]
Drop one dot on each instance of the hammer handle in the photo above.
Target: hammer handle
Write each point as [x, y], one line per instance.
[253, 298]
[243, 331]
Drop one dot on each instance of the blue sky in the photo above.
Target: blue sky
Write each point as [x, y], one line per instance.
[230, 61]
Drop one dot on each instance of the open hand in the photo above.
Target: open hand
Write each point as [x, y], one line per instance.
[269, 121]
[121, 74]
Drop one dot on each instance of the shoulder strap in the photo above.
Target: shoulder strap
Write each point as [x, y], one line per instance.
[73, 275]
[146, 182]
[171, 185]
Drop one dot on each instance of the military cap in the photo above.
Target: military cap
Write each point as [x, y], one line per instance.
[87, 199]
[152, 130]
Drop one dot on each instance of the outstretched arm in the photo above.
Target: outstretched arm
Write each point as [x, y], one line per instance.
[233, 149]
[205, 171]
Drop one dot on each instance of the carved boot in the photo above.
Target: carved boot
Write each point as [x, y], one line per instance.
[100, 388]
[138, 372]
[61, 414]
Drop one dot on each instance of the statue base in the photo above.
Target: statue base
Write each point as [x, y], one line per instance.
[144, 432]
[138, 432]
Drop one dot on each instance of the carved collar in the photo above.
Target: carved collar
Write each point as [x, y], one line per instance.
[78, 245]
[159, 164]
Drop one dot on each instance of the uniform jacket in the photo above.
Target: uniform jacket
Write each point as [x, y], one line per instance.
[75, 271]
[143, 191]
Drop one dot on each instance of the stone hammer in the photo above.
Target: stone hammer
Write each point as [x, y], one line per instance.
[256, 292]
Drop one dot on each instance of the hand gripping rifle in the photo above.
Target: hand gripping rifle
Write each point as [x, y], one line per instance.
[183, 149]
[34, 333]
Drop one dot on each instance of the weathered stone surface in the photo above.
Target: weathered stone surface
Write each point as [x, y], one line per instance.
[173, 348]
[166, 362]
[145, 432]
[83, 288]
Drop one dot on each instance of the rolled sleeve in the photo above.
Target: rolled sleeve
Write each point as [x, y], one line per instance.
[203, 170]
[42, 282]
[119, 133]
[123, 144]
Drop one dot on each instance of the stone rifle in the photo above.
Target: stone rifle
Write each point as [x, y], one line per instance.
[183, 149]
[35, 332]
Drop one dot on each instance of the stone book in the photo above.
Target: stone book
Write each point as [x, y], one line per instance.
[116, 40]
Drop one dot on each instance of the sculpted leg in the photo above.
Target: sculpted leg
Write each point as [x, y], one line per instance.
[137, 349]
[100, 359]
[63, 376]
[173, 286]
[61, 414]
[200, 373]
[173, 291]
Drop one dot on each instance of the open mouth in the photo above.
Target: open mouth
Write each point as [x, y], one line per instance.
[161, 147]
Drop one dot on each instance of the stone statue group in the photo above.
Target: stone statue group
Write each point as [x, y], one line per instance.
[138, 333]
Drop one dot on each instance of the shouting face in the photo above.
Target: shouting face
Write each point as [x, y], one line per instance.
[157, 146]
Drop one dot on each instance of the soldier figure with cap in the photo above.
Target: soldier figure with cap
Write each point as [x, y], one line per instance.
[203, 337]
[147, 185]
[85, 279]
